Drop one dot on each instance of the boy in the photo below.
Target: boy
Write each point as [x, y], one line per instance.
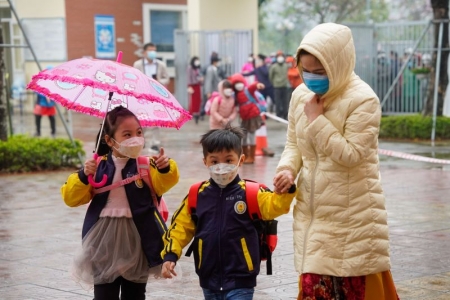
[225, 246]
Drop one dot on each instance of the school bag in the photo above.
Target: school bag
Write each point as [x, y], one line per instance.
[260, 101]
[209, 102]
[143, 164]
[267, 229]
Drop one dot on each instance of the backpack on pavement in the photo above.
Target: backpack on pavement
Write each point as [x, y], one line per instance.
[267, 229]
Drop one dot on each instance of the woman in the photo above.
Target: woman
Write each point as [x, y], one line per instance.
[195, 80]
[341, 244]
[223, 106]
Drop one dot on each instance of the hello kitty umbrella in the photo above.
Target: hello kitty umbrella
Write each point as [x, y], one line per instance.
[94, 87]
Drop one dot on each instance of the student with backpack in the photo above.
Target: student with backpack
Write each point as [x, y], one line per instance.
[222, 108]
[226, 242]
[250, 112]
[122, 230]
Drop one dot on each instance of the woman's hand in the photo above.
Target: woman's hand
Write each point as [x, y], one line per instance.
[260, 86]
[314, 108]
[190, 90]
[283, 181]
[168, 269]
[161, 160]
[90, 167]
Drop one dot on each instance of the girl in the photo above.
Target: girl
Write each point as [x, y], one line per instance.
[195, 80]
[122, 229]
[223, 106]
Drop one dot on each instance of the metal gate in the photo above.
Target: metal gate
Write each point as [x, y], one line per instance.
[233, 47]
[390, 50]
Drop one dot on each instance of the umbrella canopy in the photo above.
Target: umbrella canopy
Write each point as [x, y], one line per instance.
[93, 87]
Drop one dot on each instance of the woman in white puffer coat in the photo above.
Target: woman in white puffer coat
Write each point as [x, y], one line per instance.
[341, 244]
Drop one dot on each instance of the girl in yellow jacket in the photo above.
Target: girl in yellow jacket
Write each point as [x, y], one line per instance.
[341, 243]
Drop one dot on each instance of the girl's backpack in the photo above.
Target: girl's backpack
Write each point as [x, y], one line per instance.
[208, 103]
[267, 229]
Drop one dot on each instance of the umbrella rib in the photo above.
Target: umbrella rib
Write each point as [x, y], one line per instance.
[77, 96]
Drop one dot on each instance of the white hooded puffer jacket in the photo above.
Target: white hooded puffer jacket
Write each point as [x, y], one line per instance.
[340, 220]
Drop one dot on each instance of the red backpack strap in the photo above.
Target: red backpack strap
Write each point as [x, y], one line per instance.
[251, 196]
[193, 196]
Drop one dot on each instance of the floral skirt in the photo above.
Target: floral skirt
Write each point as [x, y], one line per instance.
[110, 249]
[378, 286]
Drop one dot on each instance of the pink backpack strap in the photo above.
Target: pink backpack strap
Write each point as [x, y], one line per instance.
[117, 184]
[143, 164]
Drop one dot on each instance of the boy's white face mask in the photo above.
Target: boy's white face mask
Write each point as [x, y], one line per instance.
[131, 147]
[223, 173]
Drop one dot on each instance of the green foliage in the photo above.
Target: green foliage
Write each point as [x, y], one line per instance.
[414, 127]
[22, 153]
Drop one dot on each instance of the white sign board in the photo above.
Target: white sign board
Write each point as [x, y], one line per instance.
[47, 36]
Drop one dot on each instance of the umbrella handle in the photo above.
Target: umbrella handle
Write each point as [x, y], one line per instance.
[91, 178]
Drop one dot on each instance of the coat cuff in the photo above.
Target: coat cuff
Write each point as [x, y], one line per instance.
[83, 177]
[292, 189]
[170, 257]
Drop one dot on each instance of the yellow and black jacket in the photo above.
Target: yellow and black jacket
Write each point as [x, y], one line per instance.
[225, 245]
[150, 225]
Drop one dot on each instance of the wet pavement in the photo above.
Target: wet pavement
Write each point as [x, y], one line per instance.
[39, 234]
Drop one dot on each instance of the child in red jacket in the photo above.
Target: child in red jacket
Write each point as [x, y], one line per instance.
[249, 113]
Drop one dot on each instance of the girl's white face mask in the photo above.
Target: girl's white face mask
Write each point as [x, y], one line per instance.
[131, 147]
[223, 173]
[239, 86]
[228, 92]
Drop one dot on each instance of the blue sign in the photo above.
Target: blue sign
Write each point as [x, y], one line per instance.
[105, 36]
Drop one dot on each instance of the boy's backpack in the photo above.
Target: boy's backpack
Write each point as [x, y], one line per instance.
[143, 164]
[209, 102]
[267, 229]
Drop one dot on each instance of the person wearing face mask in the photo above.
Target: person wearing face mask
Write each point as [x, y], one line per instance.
[278, 75]
[341, 240]
[194, 81]
[225, 241]
[156, 69]
[223, 107]
[248, 68]
[248, 111]
[122, 228]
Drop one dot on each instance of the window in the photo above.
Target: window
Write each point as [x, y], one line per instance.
[162, 26]
[160, 21]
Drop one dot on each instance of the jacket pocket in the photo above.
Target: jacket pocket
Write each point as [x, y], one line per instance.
[247, 256]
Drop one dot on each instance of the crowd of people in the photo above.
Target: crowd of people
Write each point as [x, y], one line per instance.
[329, 166]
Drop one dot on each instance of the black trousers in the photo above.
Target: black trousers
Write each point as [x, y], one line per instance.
[282, 100]
[38, 124]
[110, 291]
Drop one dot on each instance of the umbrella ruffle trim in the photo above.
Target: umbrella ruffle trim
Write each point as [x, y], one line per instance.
[178, 123]
[103, 86]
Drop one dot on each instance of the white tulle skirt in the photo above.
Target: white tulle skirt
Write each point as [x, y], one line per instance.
[110, 249]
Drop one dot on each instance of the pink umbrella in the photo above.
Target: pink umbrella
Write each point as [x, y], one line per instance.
[85, 85]
[94, 87]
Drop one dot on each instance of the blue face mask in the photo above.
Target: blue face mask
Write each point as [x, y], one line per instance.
[318, 84]
[151, 55]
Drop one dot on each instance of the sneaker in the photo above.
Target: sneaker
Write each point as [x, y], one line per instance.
[53, 135]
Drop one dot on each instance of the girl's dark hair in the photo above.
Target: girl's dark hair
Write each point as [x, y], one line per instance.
[217, 140]
[194, 58]
[112, 121]
[227, 84]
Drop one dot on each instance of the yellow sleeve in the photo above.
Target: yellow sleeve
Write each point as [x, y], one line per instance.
[180, 232]
[273, 205]
[74, 192]
[163, 182]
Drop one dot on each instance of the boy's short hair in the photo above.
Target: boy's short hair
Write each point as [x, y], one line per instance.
[217, 140]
